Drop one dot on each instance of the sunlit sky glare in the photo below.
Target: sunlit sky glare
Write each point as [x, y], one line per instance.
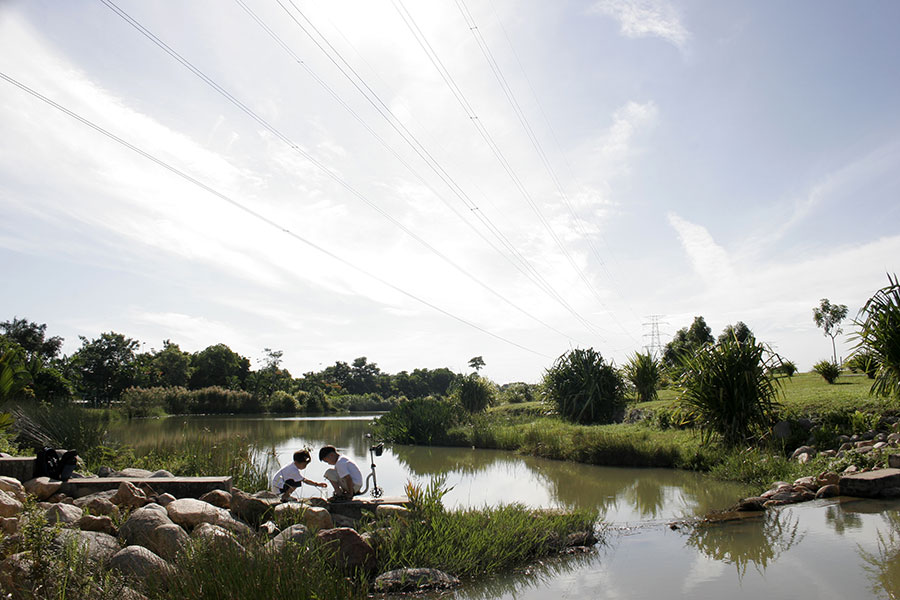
[548, 177]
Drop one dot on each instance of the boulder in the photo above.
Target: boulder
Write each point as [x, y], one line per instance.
[9, 525]
[782, 430]
[893, 439]
[100, 507]
[803, 450]
[168, 541]
[803, 458]
[807, 482]
[13, 487]
[880, 445]
[828, 491]
[894, 461]
[85, 500]
[42, 487]
[14, 572]
[752, 504]
[217, 536]
[269, 529]
[295, 533]
[135, 473]
[129, 496]
[138, 562]
[63, 513]
[9, 505]
[99, 547]
[344, 521]
[190, 512]
[408, 580]
[351, 549]
[60, 498]
[311, 516]
[160, 473]
[256, 508]
[100, 523]
[383, 511]
[581, 538]
[138, 529]
[828, 478]
[164, 499]
[850, 470]
[219, 498]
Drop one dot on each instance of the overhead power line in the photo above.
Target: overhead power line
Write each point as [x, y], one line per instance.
[296, 147]
[257, 215]
[347, 70]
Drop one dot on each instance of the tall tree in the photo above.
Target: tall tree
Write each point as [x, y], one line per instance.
[476, 362]
[828, 317]
[32, 338]
[106, 366]
[738, 331]
[219, 365]
[687, 341]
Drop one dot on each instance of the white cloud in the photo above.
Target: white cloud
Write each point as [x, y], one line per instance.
[643, 18]
[710, 260]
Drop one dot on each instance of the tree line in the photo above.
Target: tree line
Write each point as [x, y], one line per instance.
[110, 368]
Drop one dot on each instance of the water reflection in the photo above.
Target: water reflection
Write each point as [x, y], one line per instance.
[842, 520]
[756, 540]
[883, 565]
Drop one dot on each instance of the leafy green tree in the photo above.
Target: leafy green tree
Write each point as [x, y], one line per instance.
[686, 342]
[14, 375]
[219, 366]
[644, 372]
[738, 331]
[106, 365]
[337, 376]
[476, 362]
[828, 317]
[730, 389]
[270, 377]
[171, 367]
[32, 338]
[363, 376]
[584, 387]
[879, 335]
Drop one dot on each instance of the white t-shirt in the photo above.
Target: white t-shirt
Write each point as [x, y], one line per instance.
[344, 466]
[288, 471]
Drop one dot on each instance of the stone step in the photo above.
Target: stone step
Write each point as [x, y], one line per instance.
[180, 487]
[883, 483]
[19, 467]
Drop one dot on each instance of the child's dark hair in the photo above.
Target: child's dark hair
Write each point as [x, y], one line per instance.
[301, 456]
[325, 451]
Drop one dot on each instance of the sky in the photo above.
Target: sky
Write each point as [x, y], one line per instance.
[425, 182]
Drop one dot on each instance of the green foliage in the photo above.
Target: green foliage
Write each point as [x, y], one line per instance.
[218, 366]
[644, 372]
[729, 388]
[472, 542]
[363, 403]
[516, 393]
[738, 331]
[584, 388]
[879, 335]
[476, 363]
[828, 317]
[106, 367]
[422, 421]
[72, 427]
[282, 402]
[829, 371]
[686, 341]
[864, 362]
[787, 367]
[169, 367]
[474, 393]
[32, 338]
[14, 376]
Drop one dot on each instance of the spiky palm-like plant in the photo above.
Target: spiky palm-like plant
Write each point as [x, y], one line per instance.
[644, 372]
[879, 335]
[729, 388]
[584, 387]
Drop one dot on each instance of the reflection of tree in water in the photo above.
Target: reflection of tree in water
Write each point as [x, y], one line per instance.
[147, 434]
[427, 461]
[755, 541]
[842, 520]
[883, 567]
[513, 584]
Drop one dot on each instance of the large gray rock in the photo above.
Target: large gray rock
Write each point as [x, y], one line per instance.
[13, 487]
[256, 508]
[894, 461]
[219, 498]
[160, 473]
[870, 485]
[190, 512]
[99, 506]
[129, 496]
[9, 505]
[86, 500]
[140, 563]
[99, 547]
[100, 523]
[42, 487]
[408, 580]
[138, 529]
[67, 514]
[782, 430]
[295, 533]
[809, 450]
[217, 536]
[352, 551]
[136, 473]
[297, 512]
[828, 491]
[168, 541]
[9, 525]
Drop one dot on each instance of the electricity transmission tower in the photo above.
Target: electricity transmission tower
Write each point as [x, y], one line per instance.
[654, 348]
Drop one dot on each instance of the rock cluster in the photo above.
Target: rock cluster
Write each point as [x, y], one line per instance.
[802, 490]
[140, 535]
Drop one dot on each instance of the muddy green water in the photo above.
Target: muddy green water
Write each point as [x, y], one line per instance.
[822, 549]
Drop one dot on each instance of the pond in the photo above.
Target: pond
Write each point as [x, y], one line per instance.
[821, 549]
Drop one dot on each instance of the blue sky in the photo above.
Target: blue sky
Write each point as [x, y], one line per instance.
[734, 160]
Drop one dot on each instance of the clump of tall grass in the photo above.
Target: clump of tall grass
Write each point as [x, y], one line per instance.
[829, 371]
[422, 421]
[730, 388]
[472, 542]
[68, 426]
[474, 393]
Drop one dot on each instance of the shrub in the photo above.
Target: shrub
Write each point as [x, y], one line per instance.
[584, 388]
[828, 370]
[72, 427]
[423, 421]
[144, 402]
[879, 334]
[284, 403]
[475, 393]
[788, 367]
[516, 393]
[644, 372]
[864, 362]
[729, 389]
